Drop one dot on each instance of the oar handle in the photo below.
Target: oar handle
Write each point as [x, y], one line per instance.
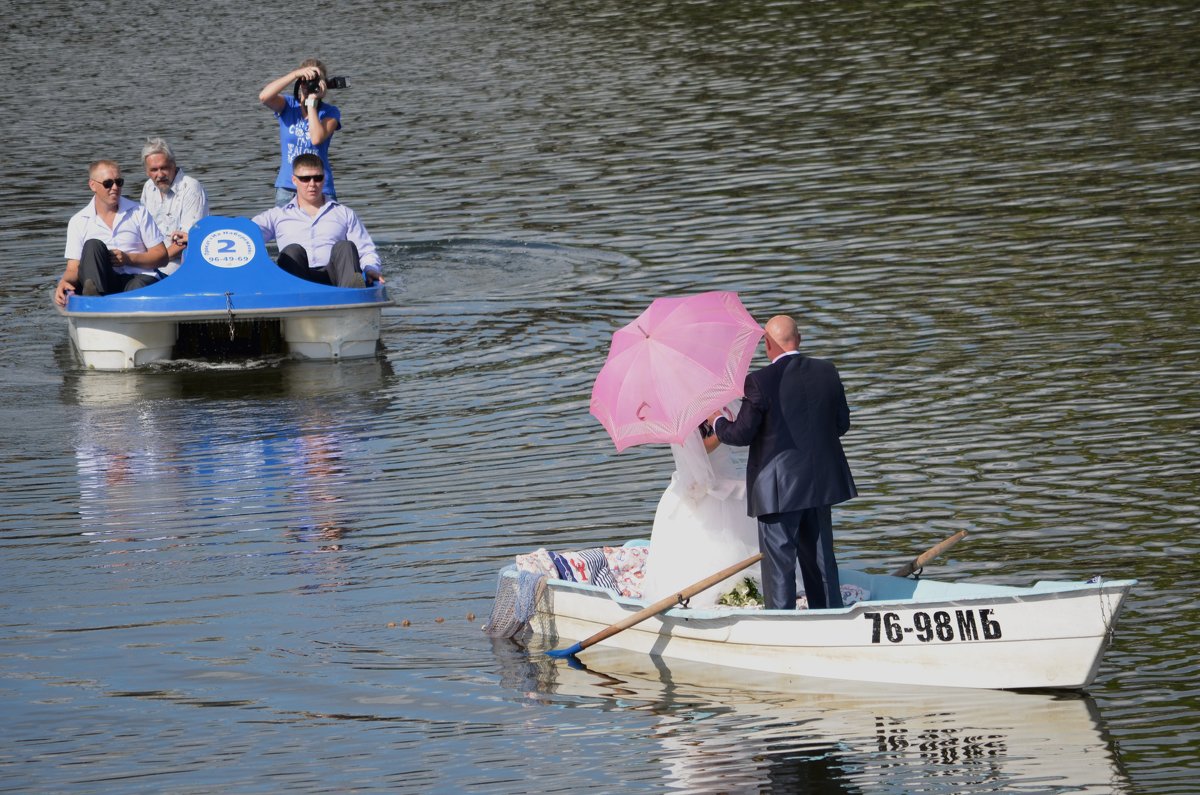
[929, 554]
[661, 605]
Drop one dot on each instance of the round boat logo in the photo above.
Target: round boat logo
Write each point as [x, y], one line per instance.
[227, 248]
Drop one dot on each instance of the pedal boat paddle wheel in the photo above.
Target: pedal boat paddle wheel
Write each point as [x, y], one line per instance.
[226, 290]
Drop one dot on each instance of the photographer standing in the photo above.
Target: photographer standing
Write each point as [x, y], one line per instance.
[306, 123]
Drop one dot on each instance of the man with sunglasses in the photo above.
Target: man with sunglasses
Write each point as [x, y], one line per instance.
[113, 244]
[320, 239]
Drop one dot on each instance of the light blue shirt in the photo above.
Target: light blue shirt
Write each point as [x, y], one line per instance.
[335, 222]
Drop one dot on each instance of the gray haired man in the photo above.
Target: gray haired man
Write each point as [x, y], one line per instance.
[174, 199]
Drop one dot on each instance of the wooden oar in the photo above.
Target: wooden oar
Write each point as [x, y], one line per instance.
[929, 554]
[661, 605]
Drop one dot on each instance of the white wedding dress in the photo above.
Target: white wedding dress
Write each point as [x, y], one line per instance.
[700, 526]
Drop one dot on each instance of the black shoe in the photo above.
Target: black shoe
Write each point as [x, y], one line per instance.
[90, 288]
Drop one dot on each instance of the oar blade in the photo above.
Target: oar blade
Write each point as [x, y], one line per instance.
[570, 651]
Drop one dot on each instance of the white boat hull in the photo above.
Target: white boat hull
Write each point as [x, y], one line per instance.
[125, 343]
[1049, 636]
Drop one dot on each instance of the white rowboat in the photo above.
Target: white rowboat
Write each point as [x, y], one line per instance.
[909, 631]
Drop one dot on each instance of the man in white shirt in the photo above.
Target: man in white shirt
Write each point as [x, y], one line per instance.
[174, 199]
[113, 244]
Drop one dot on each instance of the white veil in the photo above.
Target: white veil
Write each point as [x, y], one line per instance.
[699, 473]
[701, 525]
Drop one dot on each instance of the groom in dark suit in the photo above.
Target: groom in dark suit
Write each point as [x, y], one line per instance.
[793, 417]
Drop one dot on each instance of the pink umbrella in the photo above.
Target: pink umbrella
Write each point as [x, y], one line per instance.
[681, 360]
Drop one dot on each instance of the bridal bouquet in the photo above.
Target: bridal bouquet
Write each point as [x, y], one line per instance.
[744, 594]
[747, 594]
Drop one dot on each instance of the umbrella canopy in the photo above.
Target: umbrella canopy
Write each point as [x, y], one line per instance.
[681, 360]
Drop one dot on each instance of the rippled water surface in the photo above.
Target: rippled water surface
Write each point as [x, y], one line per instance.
[985, 214]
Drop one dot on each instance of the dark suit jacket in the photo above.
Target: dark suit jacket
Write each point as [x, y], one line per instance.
[792, 418]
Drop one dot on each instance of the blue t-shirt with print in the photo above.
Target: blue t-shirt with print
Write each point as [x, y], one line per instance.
[294, 141]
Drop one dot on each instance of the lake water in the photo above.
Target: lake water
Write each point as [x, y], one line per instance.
[985, 214]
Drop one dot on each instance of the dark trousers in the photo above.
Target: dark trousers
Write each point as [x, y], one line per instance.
[804, 538]
[343, 270]
[96, 265]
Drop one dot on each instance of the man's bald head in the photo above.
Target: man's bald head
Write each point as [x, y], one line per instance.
[782, 335]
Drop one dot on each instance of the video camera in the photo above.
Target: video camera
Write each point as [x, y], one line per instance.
[314, 85]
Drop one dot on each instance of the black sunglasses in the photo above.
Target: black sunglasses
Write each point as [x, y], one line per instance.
[311, 177]
[108, 183]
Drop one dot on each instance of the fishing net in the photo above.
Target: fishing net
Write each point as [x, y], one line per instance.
[516, 602]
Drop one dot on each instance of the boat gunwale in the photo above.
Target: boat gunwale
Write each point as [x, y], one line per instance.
[1119, 588]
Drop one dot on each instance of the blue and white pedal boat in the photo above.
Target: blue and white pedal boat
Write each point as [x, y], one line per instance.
[1050, 635]
[226, 277]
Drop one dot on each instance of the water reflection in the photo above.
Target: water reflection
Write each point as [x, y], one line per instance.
[265, 379]
[718, 730]
[260, 449]
[317, 463]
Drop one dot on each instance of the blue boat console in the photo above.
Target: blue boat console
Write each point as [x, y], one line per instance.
[225, 268]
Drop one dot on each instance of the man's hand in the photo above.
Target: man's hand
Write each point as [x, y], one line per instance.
[119, 257]
[723, 413]
[62, 291]
[373, 276]
[179, 239]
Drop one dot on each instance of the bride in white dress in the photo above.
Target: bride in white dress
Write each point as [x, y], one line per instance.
[701, 525]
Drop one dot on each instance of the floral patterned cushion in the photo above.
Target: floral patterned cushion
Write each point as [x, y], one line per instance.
[628, 567]
[538, 562]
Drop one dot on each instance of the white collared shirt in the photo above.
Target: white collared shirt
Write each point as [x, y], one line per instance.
[133, 231]
[184, 203]
[335, 221]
